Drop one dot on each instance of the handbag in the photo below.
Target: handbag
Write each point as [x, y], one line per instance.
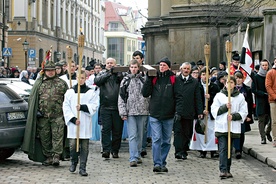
[200, 126]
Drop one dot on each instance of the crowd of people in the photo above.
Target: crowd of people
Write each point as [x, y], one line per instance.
[61, 115]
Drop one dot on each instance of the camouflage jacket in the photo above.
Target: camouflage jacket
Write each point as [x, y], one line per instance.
[51, 96]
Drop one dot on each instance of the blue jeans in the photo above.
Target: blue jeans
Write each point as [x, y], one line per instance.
[146, 134]
[161, 132]
[135, 132]
[224, 162]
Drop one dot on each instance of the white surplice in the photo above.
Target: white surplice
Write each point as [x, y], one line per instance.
[91, 99]
[198, 140]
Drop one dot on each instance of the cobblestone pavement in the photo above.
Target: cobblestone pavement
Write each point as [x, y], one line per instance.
[18, 169]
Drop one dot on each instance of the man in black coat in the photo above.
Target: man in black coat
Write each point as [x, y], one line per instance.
[109, 84]
[262, 104]
[188, 104]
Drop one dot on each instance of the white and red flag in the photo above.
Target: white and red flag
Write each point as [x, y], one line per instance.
[246, 62]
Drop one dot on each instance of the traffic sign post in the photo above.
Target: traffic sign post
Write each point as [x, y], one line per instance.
[32, 53]
[7, 51]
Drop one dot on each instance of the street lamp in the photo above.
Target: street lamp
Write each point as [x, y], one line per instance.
[25, 48]
[58, 54]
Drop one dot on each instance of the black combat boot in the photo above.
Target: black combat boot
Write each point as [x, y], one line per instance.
[56, 160]
[48, 161]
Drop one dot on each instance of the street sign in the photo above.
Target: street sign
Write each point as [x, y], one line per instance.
[143, 47]
[32, 53]
[7, 51]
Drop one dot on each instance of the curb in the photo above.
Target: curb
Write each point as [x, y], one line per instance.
[253, 153]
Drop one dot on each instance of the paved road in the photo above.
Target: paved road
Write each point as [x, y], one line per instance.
[18, 169]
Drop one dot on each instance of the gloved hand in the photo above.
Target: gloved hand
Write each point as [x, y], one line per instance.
[149, 77]
[176, 118]
[120, 77]
[111, 69]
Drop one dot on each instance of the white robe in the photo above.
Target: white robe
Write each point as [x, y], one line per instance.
[198, 140]
[91, 99]
[65, 78]
[90, 81]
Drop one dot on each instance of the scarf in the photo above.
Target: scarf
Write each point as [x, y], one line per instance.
[262, 72]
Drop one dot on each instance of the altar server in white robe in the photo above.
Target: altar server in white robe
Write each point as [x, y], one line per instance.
[201, 142]
[89, 101]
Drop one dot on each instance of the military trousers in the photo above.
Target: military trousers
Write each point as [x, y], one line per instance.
[51, 133]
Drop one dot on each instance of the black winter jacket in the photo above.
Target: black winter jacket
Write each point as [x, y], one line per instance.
[258, 88]
[188, 98]
[109, 89]
[162, 101]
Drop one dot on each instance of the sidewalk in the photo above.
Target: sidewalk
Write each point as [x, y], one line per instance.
[263, 152]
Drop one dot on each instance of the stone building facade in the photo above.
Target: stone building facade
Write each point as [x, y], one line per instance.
[179, 29]
[56, 23]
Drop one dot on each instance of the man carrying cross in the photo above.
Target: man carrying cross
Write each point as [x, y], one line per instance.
[162, 108]
[109, 83]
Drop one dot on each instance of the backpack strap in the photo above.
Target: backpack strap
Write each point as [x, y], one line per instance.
[172, 79]
[154, 80]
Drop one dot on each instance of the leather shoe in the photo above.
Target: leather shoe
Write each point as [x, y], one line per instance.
[143, 153]
[229, 175]
[73, 167]
[115, 155]
[83, 172]
[164, 169]
[214, 154]
[223, 175]
[157, 169]
[238, 155]
[133, 164]
[202, 154]
[269, 138]
[105, 154]
[263, 141]
[139, 161]
[180, 156]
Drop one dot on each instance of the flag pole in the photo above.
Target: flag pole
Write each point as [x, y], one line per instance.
[69, 63]
[80, 51]
[228, 49]
[207, 56]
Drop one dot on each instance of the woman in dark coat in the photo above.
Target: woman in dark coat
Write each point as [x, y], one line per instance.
[245, 127]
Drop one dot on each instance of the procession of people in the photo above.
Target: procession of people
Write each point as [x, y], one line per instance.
[95, 103]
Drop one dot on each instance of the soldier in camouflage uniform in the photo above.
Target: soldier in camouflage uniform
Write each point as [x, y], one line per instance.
[50, 126]
[44, 133]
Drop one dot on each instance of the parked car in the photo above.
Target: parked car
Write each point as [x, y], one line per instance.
[21, 88]
[13, 117]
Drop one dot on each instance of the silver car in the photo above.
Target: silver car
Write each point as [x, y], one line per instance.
[13, 115]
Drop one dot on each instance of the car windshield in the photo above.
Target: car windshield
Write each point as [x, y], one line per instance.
[4, 98]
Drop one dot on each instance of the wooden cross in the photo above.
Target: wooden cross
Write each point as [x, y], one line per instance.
[150, 69]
